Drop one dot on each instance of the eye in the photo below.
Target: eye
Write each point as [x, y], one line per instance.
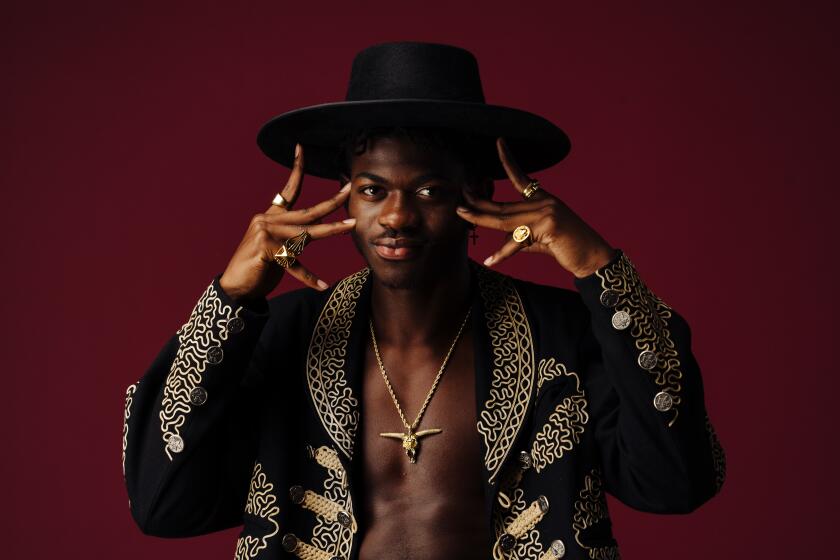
[370, 190]
[429, 191]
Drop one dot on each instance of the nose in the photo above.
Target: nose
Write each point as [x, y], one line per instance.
[398, 212]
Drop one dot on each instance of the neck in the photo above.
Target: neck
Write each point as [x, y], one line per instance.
[422, 315]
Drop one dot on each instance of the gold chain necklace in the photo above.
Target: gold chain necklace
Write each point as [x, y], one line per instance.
[410, 438]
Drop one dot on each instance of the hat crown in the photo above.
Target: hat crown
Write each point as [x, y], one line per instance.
[411, 70]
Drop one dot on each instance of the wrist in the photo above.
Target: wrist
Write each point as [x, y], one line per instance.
[598, 259]
[230, 291]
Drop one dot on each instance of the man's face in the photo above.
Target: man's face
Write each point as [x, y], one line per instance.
[403, 197]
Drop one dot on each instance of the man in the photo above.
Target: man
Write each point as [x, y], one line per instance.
[425, 407]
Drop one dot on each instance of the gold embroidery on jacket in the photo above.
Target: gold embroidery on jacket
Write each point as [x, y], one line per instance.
[306, 551]
[334, 401]
[508, 482]
[649, 325]
[513, 368]
[718, 456]
[129, 398]
[326, 508]
[590, 508]
[548, 370]
[327, 457]
[205, 329]
[328, 534]
[565, 425]
[261, 503]
[527, 545]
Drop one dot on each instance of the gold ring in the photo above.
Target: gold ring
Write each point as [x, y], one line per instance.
[522, 234]
[279, 201]
[529, 191]
[289, 251]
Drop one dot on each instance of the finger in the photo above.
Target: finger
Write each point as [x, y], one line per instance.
[291, 191]
[508, 222]
[508, 249]
[295, 183]
[307, 276]
[514, 172]
[317, 231]
[537, 248]
[318, 211]
[494, 207]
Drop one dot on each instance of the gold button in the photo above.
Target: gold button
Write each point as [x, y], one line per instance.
[663, 401]
[198, 396]
[215, 354]
[297, 493]
[620, 320]
[507, 542]
[609, 298]
[290, 542]
[175, 444]
[525, 460]
[647, 360]
[235, 325]
[543, 503]
[344, 519]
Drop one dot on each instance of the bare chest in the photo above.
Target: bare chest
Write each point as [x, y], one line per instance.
[439, 499]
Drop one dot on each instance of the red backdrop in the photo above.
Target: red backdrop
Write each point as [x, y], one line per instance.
[702, 138]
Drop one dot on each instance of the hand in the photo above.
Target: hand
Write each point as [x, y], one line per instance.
[555, 229]
[252, 271]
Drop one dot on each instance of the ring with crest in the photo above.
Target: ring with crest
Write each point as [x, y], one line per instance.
[522, 234]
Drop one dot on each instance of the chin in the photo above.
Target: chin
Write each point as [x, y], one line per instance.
[398, 279]
[405, 275]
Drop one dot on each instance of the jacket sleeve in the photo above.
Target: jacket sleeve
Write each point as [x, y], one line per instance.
[188, 432]
[658, 448]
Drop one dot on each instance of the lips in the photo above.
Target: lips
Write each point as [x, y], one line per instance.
[397, 249]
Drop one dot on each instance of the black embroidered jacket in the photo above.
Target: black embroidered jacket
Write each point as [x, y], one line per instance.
[250, 415]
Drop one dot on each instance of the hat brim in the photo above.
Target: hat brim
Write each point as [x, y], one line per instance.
[535, 142]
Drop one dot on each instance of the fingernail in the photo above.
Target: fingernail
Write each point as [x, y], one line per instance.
[463, 209]
[345, 188]
[297, 150]
[488, 260]
[349, 221]
[323, 285]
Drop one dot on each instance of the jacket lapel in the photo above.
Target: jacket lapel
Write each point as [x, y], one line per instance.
[333, 371]
[505, 370]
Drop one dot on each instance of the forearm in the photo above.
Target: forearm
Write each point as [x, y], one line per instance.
[652, 429]
[181, 418]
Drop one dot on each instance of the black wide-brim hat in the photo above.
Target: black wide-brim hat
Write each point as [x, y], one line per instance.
[410, 84]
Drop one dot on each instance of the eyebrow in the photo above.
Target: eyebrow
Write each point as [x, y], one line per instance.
[421, 179]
